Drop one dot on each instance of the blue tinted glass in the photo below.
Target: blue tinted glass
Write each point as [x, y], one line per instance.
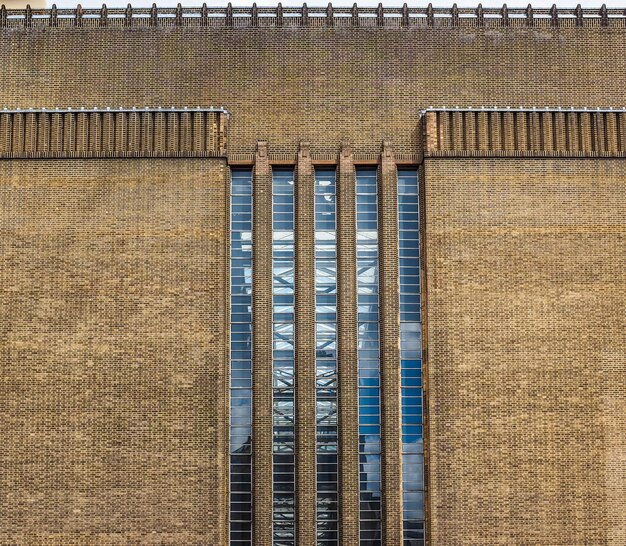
[410, 351]
[240, 353]
[368, 343]
[283, 289]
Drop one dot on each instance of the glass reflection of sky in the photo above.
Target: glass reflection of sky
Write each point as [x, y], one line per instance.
[410, 358]
[368, 346]
[283, 355]
[241, 357]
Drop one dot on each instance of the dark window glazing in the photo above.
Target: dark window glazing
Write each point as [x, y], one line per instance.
[283, 294]
[326, 355]
[367, 266]
[411, 358]
[241, 357]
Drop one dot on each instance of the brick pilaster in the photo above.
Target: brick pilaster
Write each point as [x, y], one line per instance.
[262, 340]
[305, 349]
[390, 356]
[347, 362]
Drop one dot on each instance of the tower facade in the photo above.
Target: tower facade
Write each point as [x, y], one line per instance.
[313, 276]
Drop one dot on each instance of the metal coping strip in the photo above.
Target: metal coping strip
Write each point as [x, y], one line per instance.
[81, 110]
[513, 109]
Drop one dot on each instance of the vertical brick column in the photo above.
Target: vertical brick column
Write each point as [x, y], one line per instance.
[347, 361]
[305, 349]
[390, 356]
[262, 352]
[222, 434]
[424, 308]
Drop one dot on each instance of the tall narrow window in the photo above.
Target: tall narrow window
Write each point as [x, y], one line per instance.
[411, 359]
[283, 293]
[326, 355]
[368, 355]
[241, 357]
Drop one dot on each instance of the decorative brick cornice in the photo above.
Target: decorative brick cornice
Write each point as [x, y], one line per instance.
[172, 132]
[313, 17]
[524, 133]
[325, 159]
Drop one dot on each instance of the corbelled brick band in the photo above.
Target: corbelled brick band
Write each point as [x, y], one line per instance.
[306, 486]
[525, 133]
[262, 504]
[113, 133]
[347, 361]
[390, 353]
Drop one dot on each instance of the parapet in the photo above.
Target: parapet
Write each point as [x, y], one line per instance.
[314, 17]
[160, 132]
[524, 133]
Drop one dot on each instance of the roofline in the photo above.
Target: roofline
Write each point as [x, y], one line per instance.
[346, 8]
[135, 110]
[340, 16]
[524, 109]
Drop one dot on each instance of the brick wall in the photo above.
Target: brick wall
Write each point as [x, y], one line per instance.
[305, 349]
[317, 84]
[526, 264]
[112, 349]
[525, 258]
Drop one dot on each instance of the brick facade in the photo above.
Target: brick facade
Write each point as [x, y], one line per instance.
[113, 301]
[347, 332]
[114, 230]
[320, 85]
[305, 348]
[526, 350]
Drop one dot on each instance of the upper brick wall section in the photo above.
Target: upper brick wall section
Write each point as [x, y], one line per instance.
[321, 84]
[305, 16]
[113, 133]
[525, 133]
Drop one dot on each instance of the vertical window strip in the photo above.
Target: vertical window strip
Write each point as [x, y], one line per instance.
[411, 358]
[367, 266]
[283, 357]
[241, 357]
[326, 356]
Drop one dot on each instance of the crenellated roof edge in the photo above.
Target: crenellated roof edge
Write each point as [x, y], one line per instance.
[314, 17]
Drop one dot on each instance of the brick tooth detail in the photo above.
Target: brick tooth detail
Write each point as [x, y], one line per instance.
[509, 133]
[84, 133]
